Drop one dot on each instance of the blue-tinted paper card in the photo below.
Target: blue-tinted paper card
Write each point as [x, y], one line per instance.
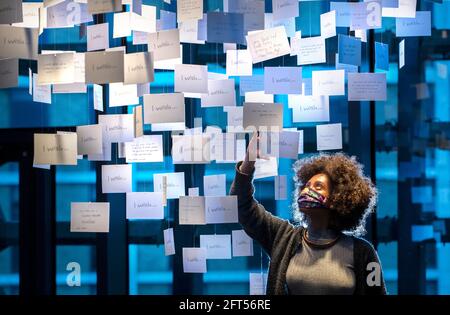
[202, 24]
[381, 56]
[348, 68]
[251, 83]
[418, 26]
[168, 20]
[342, 13]
[283, 80]
[349, 50]
[389, 3]
[225, 27]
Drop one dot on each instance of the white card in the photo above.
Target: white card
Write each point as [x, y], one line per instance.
[309, 108]
[189, 10]
[405, 9]
[191, 210]
[169, 242]
[214, 185]
[193, 192]
[191, 78]
[9, 73]
[104, 66]
[217, 246]
[280, 187]
[97, 36]
[98, 97]
[329, 137]
[191, 149]
[104, 6]
[164, 108]
[175, 184]
[122, 94]
[30, 15]
[117, 128]
[221, 209]
[116, 178]
[268, 44]
[283, 144]
[189, 32]
[170, 64]
[258, 97]
[164, 44]
[145, 149]
[263, 116]
[145, 205]
[235, 116]
[328, 82]
[239, 63]
[220, 93]
[89, 217]
[90, 139]
[138, 68]
[41, 93]
[17, 42]
[266, 168]
[311, 51]
[401, 54]
[258, 283]
[55, 149]
[367, 86]
[56, 68]
[194, 259]
[283, 9]
[122, 24]
[242, 243]
[328, 24]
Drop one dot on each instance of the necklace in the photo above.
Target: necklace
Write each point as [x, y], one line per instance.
[319, 245]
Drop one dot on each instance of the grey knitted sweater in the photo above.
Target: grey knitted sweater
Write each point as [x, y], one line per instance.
[280, 240]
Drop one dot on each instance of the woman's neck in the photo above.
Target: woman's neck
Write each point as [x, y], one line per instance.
[318, 228]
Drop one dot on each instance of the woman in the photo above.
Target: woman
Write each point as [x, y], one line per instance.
[331, 196]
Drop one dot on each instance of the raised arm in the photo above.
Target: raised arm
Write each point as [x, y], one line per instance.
[257, 222]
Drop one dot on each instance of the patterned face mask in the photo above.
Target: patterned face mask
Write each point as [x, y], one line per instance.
[311, 199]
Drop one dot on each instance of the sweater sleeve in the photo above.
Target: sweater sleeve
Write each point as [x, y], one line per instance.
[257, 222]
[371, 270]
